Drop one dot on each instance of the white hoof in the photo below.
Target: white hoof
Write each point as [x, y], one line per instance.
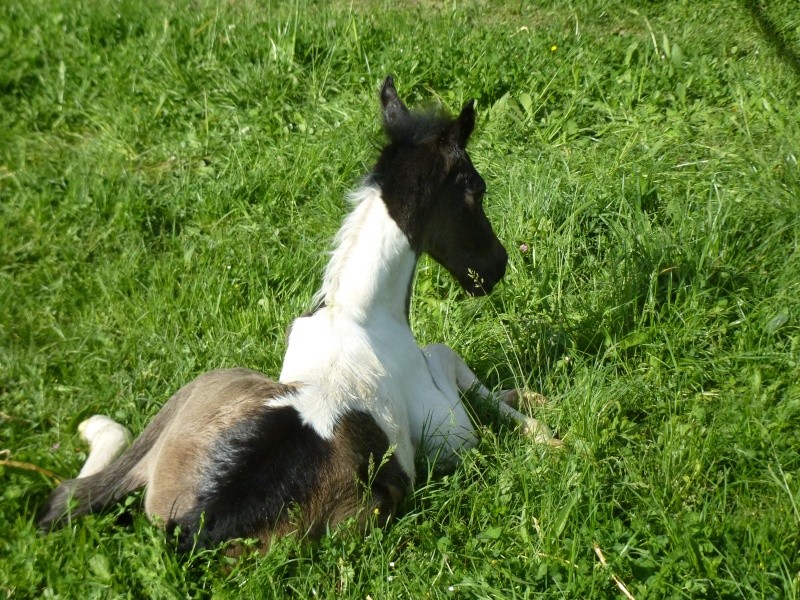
[540, 433]
[532, 398]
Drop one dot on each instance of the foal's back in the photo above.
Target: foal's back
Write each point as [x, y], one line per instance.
[231, 457]
[205, 410]
[240, 461]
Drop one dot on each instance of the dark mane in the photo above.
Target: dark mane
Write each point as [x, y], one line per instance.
[417, 127]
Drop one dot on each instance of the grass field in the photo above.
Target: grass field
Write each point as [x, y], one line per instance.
[171, 175]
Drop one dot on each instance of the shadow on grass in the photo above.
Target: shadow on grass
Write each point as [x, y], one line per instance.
[773, 35]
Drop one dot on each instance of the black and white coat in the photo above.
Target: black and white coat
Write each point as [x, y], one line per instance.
[234, 454]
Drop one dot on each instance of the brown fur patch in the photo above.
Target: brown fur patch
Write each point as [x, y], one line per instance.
[363, 479]
[214, 402]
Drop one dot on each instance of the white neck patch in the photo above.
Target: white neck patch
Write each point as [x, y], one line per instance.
[372, 263]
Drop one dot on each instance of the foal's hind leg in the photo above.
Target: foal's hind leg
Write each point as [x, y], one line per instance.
[466, 380]
[107, 440]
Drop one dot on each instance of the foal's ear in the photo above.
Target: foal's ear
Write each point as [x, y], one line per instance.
[459, 131]
[393, 108]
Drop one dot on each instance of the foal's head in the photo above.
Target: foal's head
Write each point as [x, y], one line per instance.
[434, 193]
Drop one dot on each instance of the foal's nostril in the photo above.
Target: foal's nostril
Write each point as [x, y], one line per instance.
[493, 271]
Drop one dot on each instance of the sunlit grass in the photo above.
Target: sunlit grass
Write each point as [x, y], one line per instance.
[171, 176]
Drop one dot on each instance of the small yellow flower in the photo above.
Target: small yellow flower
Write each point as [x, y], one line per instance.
[553, 48]
[377, 511]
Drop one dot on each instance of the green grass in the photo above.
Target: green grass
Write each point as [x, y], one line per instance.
[171, 175]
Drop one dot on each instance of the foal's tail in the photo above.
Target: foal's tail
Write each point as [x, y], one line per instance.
[107, 476]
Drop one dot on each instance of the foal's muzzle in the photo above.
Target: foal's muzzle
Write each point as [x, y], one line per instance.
[482, 280]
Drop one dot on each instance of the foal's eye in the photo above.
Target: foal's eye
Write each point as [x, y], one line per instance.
[474, 198]
[476, 189]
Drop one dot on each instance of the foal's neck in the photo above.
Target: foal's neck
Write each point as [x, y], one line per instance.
[372, 265]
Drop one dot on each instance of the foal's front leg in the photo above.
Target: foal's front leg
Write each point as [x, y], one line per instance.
[443, 359]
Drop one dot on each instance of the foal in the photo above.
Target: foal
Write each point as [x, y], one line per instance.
[234, 454]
